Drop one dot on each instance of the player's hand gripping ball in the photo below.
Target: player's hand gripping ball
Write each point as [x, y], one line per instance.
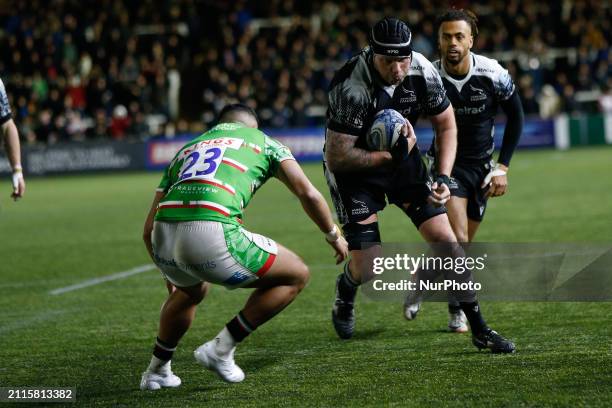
[385, 131]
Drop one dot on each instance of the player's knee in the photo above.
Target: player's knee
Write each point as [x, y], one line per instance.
[442, 235]
[359, 268]
[360, 235]
[302, 276]
[197, 293]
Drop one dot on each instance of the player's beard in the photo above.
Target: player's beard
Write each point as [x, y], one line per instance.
[455, 58]
[391, 79]
[396, 80]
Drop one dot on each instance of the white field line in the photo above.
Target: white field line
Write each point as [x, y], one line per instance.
[32, 320]
[26, 284]
[102, 279]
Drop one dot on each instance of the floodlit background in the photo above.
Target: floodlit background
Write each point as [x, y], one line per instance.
[117, 70]
[105, 92]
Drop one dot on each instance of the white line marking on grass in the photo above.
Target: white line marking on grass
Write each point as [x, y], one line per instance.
[31, 321]
[25, 284]
[102, 279]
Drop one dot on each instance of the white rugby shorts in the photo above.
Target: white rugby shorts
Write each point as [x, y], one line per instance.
[191, 252]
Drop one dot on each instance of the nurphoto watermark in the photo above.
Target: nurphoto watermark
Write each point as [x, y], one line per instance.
[493, 271]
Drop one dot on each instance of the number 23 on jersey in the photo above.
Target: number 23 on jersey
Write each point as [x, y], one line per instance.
[204, 160]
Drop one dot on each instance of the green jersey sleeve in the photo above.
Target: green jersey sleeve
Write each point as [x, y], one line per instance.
[170, 175]
[277, 153]
[164, 184]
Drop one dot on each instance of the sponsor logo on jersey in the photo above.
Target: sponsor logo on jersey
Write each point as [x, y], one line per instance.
[478, 69]
[204, 266]
[479, 95]
[227, 142]
[265, 243]
[164, 262]
[410, 96]
[467, 110]
[237, 278]
[212, 182]
[362, 209]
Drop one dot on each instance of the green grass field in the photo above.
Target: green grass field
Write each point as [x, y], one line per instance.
[98, 339]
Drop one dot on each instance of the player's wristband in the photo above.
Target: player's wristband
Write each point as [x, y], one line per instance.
[443, 179]
[498, 167]
[495, 172]
[333, 235]
[17, 169]
[17, 178]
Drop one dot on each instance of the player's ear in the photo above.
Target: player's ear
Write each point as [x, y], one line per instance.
[471, 41]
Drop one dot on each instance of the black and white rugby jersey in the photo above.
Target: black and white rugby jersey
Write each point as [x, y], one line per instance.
[5, 107]
[357, 92]
[475, 99]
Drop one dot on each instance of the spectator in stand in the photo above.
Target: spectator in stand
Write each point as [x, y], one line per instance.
[605, 100]
[120, 123]
[183, 66]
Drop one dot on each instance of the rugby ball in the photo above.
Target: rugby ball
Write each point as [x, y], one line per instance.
[385, 130]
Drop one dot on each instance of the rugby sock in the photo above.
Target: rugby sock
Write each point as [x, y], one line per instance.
[347, 287]
[162, 354]
[233, 333]
[453, 306]
[158, 366]
[224, 343]
[474, 317]
[163, 350]
[349, 278]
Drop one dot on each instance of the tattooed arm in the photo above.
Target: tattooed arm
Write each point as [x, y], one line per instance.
[342, 155]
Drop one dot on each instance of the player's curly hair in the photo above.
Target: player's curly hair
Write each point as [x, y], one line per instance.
[458, 15]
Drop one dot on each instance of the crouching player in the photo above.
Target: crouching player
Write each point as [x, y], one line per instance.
[193, 233]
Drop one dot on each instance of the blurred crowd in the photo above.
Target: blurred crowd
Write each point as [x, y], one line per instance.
[77, 70]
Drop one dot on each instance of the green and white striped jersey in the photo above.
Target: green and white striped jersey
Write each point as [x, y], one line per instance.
[214, 176]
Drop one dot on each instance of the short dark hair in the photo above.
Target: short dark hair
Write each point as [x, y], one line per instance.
[458, 15]
[237, 107]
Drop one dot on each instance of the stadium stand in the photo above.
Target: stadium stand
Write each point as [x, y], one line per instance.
[132, 69]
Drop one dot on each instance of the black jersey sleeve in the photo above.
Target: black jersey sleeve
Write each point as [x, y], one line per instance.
[5, 108]
[348, 108]
[436, 100]
[514, 127]
[502, 82]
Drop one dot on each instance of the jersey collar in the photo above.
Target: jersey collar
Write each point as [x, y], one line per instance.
[229, 126]
[459, 83]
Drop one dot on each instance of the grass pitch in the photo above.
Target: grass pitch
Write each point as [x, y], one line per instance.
[99, 338]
